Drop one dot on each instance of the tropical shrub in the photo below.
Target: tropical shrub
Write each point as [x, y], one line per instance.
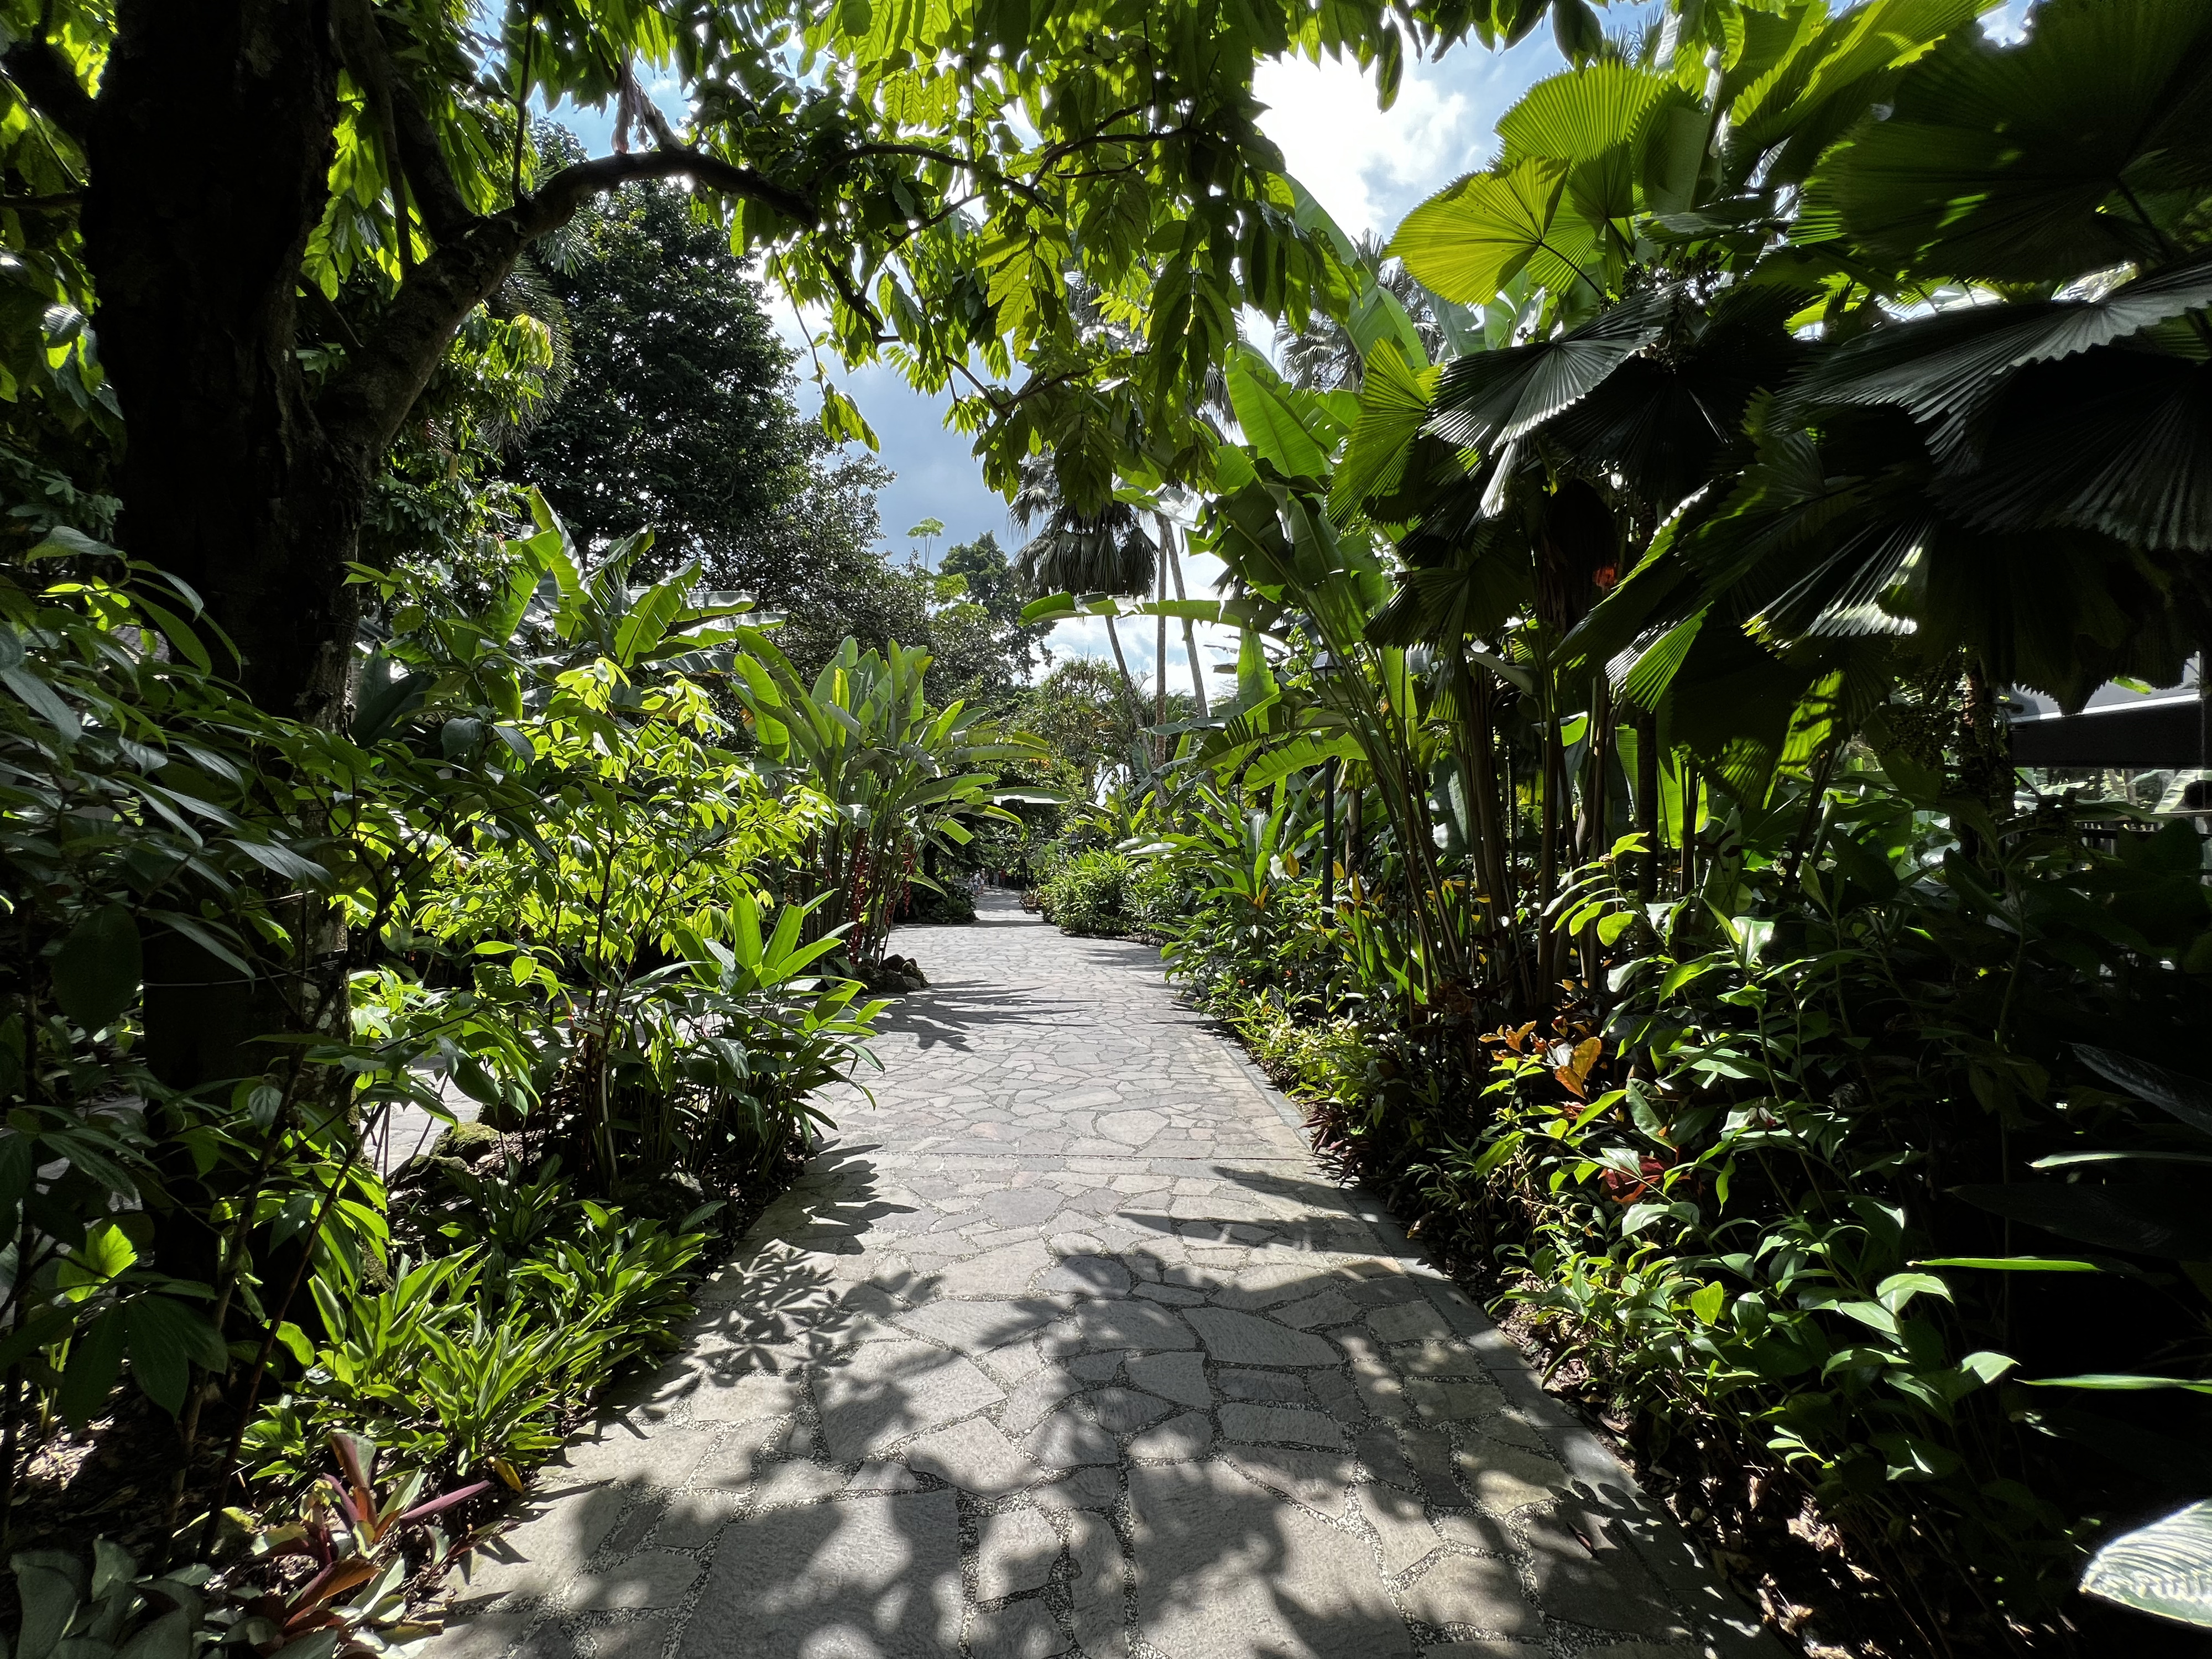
[536, 871]
[1088, 892]
[953, 903]
[897, 778]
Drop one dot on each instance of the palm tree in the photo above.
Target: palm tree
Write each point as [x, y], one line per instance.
[1322, 356]
[1070, 551]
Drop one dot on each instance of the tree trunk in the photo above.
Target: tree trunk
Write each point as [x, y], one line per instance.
[1647, 804]
[1189, 634]
[1690, 818]
[210, 146]
[1129, 686]
[1160, 654]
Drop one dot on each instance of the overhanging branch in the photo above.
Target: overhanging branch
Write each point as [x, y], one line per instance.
[401, 119]
[557, 201]
[363, 408]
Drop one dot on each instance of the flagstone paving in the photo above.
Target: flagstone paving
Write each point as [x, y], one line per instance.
[1066, 1346]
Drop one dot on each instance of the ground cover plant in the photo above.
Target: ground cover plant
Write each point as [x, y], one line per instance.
[1613, 837]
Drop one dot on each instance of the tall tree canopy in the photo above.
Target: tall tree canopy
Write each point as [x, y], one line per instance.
[276, 217]
[676, 416]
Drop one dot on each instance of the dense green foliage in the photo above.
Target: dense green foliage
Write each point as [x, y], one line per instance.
[1088, 892]
[1820, 1096]
[1629, 568]
[556, 897]
[674, 414]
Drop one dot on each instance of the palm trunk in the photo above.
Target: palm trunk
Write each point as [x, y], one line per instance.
[1647, 805]
[1689, 822]
[1160, 657]
[1189, 634]
[1128, 686]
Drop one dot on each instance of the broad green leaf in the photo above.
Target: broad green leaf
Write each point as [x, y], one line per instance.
[165, 1339]
[1467, 241]
[1272, 425]
[96, 1360]
[2013, 1264]
[49, 1584]
[1393, 404]
[1580, 115]
[98, 968]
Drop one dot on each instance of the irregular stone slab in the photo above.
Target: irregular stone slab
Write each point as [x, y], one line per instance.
[564, 1528]
[1584, 1575]
[1400, 1529]
[1315, 1478]
[1408, 1321]
[1124, 1411]
[1021, 1630]
[972, 1455]
[1285, 1425]
[891, 1391]
[973, 1326]
[650, 1578]
[1178, 1439]
[1471, 1591]
[796, 1482]
[1503, 1479]
[1241, 1339]
[1006, 1271]
[1071, 1217]
[1225, 1573]
[1177, 1377]
[1279, 1387]
[1331, 1307]
[1451, 1400]
[867, 1578]
[1066, 1439]
[1097, 1593]
[1086, 1275]
[1098, 1325]
[1015, 1551]
[715, 1397]
[633, 1638]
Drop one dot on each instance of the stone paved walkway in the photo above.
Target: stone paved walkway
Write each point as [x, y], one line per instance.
[1066, 1346]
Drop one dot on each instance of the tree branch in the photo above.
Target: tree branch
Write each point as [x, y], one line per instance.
[567, 190]
[363, 409]
[400, 120]
[50, 86]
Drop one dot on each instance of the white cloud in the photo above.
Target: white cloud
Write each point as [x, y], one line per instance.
[1357, 160]
[1369, 166]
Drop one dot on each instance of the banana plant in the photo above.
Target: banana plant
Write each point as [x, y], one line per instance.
[896, 779]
